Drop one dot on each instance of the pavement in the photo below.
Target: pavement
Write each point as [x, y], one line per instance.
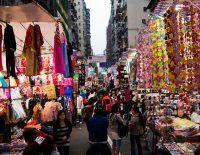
[79, 142]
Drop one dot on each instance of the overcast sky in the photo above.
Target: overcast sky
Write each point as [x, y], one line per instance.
[99, 17]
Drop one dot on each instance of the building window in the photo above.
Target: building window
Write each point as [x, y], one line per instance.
[79, 31]
[79, 24]
[79, 3]
[79, 10]
[79, 17]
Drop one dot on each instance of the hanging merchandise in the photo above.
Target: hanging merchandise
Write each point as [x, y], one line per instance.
[65, 55]
[50, 91]
[10, 46]
[81, 71]
[69, 55]
[168, 49]
[144, 59]
[3, 83]
[38, 43]
[159, 53]
[58, 55]
[21, 65]
[50, 111]
[182, 36]
[1, 38]
[31, 51]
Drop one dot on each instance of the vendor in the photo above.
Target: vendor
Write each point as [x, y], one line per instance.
[35, 121]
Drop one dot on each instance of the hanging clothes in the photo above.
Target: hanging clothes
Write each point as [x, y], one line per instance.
[65, 55]
[69, 54]
[29, 52]
[58, 56]
[1, 38]
[38, 43]
[10, 46]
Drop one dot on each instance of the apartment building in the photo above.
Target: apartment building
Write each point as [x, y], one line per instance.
[83, 22]
[127, 18]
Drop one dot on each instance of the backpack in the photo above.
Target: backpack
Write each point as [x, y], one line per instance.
[107, 104]
[122, 129]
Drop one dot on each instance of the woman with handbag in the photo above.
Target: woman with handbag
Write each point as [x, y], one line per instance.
[136, 130]
[115, 119]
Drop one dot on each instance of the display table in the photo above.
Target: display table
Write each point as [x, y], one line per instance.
[173, 129]
[15, 147]
[181, 148]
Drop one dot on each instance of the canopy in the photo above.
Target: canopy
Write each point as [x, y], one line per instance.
[47, 29]
[31, 12]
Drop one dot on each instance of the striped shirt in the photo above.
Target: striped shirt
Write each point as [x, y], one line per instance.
[60, 132]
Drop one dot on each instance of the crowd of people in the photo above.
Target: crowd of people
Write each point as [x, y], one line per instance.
[104, 111]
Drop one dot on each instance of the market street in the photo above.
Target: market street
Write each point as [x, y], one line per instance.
[79, 139]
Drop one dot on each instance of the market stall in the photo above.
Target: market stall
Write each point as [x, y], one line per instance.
[168, 67]
[37, 78]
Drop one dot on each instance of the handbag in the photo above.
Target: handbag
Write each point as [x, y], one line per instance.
[122, 129]
[55, 152]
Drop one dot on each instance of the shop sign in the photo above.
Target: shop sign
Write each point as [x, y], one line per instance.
[95, 58]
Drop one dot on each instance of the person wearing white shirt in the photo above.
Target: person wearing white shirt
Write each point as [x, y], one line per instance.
[79, 107]
[92, 94]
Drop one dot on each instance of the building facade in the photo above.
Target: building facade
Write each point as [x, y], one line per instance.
[127, 17]
[88, 47]
[49, 5]
[83, 22]
[73, 31]
[80, 21]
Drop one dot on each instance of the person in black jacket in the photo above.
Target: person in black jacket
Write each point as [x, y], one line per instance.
[10, 46]
[61, 133]
[97, 126]
[33, 148]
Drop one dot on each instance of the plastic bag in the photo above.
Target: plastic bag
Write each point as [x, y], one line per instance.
[195, 117]
[55, 152]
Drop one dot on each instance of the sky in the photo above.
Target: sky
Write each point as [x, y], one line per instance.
[99, 18]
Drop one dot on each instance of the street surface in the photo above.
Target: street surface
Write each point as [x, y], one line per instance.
[79, 142]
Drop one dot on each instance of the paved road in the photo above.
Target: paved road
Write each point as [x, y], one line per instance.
[79, 142]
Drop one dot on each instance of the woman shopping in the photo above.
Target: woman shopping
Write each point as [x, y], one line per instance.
[115, 119]
[136, 130]
[61, 133]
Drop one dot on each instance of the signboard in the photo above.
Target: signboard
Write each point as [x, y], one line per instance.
[95, 58]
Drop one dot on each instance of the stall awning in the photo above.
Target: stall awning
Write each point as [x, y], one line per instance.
[31, 12]
[152, 4]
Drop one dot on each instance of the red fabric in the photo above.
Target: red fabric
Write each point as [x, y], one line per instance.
[127, 93]
[62, 92]
[39, 42]
[28, 39]
[117, 102]
[85, 101]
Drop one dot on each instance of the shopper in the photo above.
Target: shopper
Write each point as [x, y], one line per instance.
[91, 95]
[79, 107]
[136, 130]
[115, 119]
[106, 103]
[97, 126]
[62, 129]
[33, 148]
